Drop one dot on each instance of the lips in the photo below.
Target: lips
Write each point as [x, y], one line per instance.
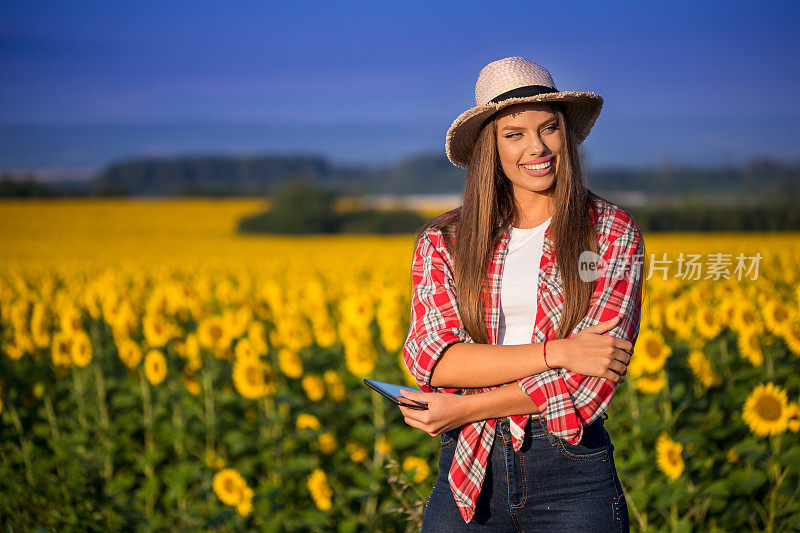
[537, 161]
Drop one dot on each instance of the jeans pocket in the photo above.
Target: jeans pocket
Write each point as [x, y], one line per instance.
[593, 446]
[449, 437]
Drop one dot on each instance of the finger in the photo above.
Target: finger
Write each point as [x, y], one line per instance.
[602, 327]
[413, 423]
[415, 395]
[409, 413]
[618, 366]
[624, 345]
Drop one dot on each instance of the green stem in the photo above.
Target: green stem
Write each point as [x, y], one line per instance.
[209, 419]
[147, 412]
[24, 443]
[52, 421]
[77, 382]
[673, 517]
[379, 424]
[776, 478]
[666, 403]
[108, 465]
[640, 518]
[180, 451]
[633, 399]
[768, 358]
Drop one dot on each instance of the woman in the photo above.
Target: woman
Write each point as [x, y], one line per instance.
[526, 304]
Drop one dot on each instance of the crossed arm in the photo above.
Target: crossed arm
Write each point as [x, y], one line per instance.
[586, 391]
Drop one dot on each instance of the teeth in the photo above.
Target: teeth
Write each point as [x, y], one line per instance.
[540, 166]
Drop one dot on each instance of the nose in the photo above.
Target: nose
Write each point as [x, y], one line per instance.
[536, 146]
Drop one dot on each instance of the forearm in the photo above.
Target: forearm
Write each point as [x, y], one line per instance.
[469, 365]
[506, 400]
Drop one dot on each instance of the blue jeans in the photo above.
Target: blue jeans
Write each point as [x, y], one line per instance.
[549, 485]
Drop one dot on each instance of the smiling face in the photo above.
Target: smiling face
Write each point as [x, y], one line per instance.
[529, 144]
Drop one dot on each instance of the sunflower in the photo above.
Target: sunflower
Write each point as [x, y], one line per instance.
[21, 344]
[334, 385]
[191, 384]
[777, 316]
[244, 350]
[650, 383]
[306, 421]
[253, 378]
[212, 333]
[360, 358]
[81, 350]
[708, 321]
[40, 326]
[793, 414]
[749, 346]
[357, 453]
[313, 386]
[651, 352]
[766, 410]
[418, 466]
[129, 352]
[70, 318]
[678, 318]
[383, 446]
[703, 370]
[327, 443]
[726, 309]
[194, 358]
[745, 316]
[62, 349]
[245, 505]
[791, 335]
[320, 490]
[324, 332]
[155, 367]
[668, 456]
[257, 336]
[290, 363]
[227, 485]
[157, 330]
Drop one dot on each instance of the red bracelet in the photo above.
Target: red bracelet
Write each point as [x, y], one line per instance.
[544, 352]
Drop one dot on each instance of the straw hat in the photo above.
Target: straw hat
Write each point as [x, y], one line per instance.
[510, 81]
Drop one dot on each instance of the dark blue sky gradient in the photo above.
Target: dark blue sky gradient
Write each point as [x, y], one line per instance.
[695, 82]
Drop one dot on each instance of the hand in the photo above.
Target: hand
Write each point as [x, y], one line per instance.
[592, 353]
[445, 411]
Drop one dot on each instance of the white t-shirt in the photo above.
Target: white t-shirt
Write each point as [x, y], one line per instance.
[520, 284]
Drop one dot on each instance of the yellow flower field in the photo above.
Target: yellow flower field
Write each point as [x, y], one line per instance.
[204, 379]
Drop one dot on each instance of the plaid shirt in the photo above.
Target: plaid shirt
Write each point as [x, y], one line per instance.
[566, 399]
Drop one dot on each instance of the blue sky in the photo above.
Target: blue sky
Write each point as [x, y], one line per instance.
[86, 82]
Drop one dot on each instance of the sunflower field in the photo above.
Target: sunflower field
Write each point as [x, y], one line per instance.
[157, 371]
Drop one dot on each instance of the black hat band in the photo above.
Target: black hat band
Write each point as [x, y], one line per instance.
[520, 92]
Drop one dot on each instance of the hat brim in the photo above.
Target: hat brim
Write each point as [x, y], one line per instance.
[582, 110]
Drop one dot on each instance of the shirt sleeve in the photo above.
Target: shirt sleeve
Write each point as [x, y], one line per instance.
[570, 400]
[435, 321]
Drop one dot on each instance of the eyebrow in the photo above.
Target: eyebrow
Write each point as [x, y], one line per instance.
[554, 119]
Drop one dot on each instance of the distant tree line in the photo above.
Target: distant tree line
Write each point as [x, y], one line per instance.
[301, 206]
[771, 216]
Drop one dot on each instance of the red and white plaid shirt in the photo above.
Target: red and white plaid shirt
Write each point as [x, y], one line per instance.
[567, 400]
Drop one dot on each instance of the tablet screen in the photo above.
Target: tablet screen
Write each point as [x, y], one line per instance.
[392, 391]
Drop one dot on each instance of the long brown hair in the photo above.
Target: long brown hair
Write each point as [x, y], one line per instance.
[488, 209]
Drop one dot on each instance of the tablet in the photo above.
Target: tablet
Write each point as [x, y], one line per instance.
[392, 391]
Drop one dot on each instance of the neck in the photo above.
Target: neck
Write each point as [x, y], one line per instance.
[533, 208]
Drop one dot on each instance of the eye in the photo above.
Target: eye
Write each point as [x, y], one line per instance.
[512, 135]
[551, 127]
